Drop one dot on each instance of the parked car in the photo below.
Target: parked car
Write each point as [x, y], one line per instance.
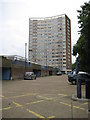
[72, 77]
[29, 76]
[59, 73]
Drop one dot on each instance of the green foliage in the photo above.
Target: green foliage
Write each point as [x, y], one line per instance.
[82, 47]
[84, 18]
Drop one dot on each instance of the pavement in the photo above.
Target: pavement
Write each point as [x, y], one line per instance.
[43, 98]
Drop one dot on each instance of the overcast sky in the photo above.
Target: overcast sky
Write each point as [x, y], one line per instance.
[14, 21]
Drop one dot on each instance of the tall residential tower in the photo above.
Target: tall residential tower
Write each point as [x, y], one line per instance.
[50, 41]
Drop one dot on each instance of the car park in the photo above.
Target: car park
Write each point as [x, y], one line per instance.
[29, 76]
[72, 77]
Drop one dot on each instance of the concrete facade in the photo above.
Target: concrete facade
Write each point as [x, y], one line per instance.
[50, 41]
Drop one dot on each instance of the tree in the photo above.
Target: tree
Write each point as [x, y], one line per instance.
[82, 47]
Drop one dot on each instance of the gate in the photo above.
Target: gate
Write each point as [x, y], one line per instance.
[5, 73]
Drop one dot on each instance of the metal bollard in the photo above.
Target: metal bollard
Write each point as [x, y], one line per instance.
[78, 87]
[87, 83]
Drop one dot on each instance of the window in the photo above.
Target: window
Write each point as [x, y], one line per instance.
[60, 28]
[64, 62]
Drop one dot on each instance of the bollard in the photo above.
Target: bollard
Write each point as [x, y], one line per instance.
[89, 110]
[78, 87]
[87, 83]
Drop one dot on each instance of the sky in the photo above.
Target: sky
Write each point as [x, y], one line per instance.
[14, 21]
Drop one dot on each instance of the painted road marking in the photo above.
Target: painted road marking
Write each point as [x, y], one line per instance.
[65, 104]
[51, 117]
[77, 107]
[17, 104]
[34, 113]
[62, 94]
[39, 116]
[1, 96]
[48, 118]
[20, 96]
[34, 102]
[5, 108]
[85, 103]
[45, 98]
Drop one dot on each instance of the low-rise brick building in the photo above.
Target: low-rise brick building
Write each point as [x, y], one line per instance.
[14, 67]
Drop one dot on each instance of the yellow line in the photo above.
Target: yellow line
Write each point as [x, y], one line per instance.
[36, 114]
[35, 102]
[51, 117]
[5, 108]
[1, 96]
[19, 96]
[54, 100]
[65, 104]
[85, 103]
[77, 107]
[63, 94]
[45, 98]
[17, 104]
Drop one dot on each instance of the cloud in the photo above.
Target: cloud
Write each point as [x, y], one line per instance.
[14, 20]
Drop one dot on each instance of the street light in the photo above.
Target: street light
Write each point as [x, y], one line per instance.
[78, 81]
[25, 55]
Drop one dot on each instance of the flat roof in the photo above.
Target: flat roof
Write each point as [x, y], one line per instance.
[45, 18]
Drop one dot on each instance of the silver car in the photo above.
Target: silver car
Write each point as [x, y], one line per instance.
[29, 76]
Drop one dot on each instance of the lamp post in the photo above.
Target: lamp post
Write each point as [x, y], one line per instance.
[77, 65]
[25, 55]
[78, 81]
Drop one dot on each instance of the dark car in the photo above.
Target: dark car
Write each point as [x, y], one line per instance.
[72, 77]
[29, 76]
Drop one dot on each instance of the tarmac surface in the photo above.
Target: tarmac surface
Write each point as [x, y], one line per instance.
[46, 97]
